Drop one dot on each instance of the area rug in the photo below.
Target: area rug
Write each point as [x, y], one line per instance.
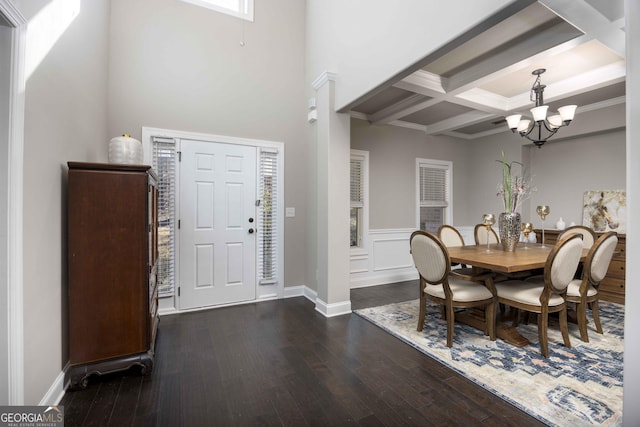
[573, 387]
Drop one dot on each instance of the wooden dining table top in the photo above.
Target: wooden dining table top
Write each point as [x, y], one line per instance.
[531, 258]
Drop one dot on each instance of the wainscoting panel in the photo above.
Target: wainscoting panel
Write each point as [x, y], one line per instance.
[386, 257]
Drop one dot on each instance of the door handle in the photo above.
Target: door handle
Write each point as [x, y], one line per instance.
[251, 230]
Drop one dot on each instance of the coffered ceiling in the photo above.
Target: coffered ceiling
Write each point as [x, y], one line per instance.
[468, 87]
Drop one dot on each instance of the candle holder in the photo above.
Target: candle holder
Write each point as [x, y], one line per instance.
[543, 211]
[488, 220]
[527, 228]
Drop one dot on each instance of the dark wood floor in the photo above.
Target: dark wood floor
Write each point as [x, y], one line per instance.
[282, 363]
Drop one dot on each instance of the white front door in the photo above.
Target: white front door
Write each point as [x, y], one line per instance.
[217, 224]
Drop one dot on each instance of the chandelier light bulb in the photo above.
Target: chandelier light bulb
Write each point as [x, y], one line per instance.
[512, 121]
[523, 125]
[567, 112]
[555, 121]
[539, 113]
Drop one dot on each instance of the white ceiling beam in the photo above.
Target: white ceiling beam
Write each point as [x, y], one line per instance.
[581, 83]
[462, 120]
[583, 16]
[483, 100]
[423, 83]
[510, 60]
[401, 109]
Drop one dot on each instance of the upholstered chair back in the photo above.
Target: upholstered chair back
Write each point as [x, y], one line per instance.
[480, 235]
[429, 256]
[588, 235]
[450, 236]
[602, 258]
[565, 262]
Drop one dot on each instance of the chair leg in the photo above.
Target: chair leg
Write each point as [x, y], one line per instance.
[564, 326]
[450, 323]
[543, 323]
[581, 310]
[596, 316]
[423, 310]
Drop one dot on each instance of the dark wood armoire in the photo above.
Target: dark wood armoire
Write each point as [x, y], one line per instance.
[112, 228]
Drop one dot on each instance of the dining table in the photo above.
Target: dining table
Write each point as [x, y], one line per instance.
[525, 258]
[493, 258]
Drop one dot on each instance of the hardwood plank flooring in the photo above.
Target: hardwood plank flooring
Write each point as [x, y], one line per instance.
[281, 363]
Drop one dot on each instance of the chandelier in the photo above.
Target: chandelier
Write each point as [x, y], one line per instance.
[542, 127]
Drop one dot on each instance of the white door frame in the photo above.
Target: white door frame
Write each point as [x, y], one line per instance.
[263, 292]
[15, 162]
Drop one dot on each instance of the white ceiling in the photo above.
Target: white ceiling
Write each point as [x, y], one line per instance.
[468, 87]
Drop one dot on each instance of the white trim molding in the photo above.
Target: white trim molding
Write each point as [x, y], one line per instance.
[332, 310]
[323, 78]
[15, 194]
[300, 291]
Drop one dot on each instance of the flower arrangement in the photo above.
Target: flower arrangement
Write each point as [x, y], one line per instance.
[513, 189]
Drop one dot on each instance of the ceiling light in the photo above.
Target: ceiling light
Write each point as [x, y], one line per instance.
[541, 128]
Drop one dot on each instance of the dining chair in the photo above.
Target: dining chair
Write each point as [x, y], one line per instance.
[450, 236]
[480, 235]
[451, 291]
[584, 292]
[588, 235]
[588, 238]
[546, 294]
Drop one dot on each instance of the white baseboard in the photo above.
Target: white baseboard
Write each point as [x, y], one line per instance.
[54, 395]
[335, 309]
[300, 291]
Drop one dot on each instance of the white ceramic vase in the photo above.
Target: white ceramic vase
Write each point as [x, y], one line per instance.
[125, 150]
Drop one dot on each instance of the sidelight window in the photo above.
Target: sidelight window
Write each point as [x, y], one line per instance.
[164, 164]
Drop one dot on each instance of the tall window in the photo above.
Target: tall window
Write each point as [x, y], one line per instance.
[434, 193]
[268, 217]
[238, 8]
[359, 182]
[164, 164]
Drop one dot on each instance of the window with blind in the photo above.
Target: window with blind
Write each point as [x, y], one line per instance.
[358, 186]
[434, 193]
[164, 164]
[268, 217]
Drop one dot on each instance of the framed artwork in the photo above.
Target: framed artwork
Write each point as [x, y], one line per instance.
[605, 210]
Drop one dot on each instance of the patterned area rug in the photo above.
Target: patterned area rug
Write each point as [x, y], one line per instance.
[573, 387]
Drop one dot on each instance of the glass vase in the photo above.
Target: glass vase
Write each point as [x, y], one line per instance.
[509, 228]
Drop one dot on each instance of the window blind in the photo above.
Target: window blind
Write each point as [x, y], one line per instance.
[357, 196]
[164, 164]
[268, 217]
[433, 186]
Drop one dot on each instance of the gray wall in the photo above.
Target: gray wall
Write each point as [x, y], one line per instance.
[562, 171]
[392, 171]
[177, 66]
[65, 119]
